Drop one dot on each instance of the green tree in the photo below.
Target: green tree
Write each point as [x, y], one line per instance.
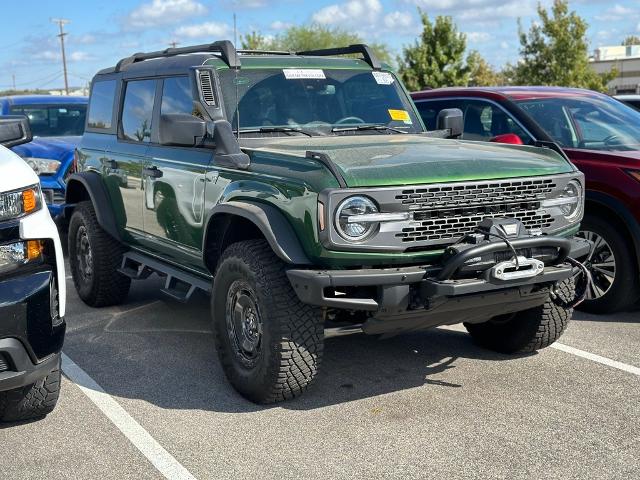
[482, 74]
[437, 58]
[310, 37]
[555, 51]
[631, 40]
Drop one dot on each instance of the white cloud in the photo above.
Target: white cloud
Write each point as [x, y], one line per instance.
[55, 56]
[212, 30]
[398, 19]
[280, 25]
[617, 12]
[349, 13]
[164, 12]
[478, 37]
[80, 56]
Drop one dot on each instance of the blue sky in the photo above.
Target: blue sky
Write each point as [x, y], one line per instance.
[101, 32]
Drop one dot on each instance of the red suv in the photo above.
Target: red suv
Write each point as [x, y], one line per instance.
[600, 135]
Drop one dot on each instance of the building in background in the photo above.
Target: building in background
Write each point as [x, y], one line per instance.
[626, 61]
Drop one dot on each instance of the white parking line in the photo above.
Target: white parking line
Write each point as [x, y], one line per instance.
[597, 358]
[164, 462]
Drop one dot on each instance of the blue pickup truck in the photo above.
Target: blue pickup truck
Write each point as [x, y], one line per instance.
[57, 122]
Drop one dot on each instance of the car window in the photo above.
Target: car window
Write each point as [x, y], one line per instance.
[101, 104]
[482, 120]
[137, 110]
[53, 120]
[553, 118]
[177, 96]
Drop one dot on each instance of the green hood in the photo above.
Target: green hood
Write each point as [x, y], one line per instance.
[386, 160]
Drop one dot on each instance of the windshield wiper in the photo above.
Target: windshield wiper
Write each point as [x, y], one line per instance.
[275, 129]
[373, 126]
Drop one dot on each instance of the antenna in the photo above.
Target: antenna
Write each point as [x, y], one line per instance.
[61, 23]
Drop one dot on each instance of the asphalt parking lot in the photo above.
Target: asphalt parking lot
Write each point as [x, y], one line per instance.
[145, 397]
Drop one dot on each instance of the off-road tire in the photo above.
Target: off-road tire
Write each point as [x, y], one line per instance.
[529, 330]
[292, 332]
[32, 401]
[106, 286]
[625, 289]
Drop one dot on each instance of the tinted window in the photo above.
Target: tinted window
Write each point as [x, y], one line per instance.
[53, 120]
[482, 120]
[137, 110]
[587, 122]
[176, 96]
[101, 104]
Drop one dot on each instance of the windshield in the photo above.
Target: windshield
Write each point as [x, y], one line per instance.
[53, 120]
[318, 102]
[588, 123]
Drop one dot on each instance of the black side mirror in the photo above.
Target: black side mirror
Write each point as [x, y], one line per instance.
[451, 119]
[181, 129]
[14, 130]
[228, 151]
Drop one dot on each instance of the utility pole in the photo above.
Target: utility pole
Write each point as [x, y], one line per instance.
[173, 44]
[235, 31]
[13, 76]
[61, 23]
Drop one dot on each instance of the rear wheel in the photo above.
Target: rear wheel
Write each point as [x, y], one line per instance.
[94, 257]
[269, 343]
[32, 401]
[613, 268]
[529, 330]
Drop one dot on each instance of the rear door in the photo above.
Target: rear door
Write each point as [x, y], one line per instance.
[125, 160]
[174, 182]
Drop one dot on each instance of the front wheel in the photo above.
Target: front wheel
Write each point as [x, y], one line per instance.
[32, 401]
[269, 343]
[529, 330]
[613, 268]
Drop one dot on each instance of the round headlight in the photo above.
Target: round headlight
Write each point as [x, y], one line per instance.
[573, 193]
[347, 214]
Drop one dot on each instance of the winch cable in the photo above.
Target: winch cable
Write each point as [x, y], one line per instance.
[505, 240]
[579, 296]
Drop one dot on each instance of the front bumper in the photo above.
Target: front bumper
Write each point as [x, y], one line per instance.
[393, 291]
[30, 336]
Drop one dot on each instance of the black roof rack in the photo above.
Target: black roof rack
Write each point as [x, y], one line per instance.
[266, 52]
[365, 50]
[224, 47]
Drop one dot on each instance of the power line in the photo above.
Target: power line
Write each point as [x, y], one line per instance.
[61, 23]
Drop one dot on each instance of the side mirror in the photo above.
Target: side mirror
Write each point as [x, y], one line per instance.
[14, 130]
[181, 129]
[451, 119]
[510, 138]
[228, 151]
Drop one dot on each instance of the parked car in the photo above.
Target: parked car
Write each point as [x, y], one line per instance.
[631, 100]
[329, 211]
[600, 135]
[57, 122]
[32, 287]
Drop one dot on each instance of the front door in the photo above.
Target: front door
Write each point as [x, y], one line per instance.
[174, 181]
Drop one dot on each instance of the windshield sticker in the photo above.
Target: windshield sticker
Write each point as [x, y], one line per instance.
[303, 73]
[400, 116]
[383, 78]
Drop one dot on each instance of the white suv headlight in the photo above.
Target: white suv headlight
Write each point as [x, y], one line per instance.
[43, 166]
[20, 202]
[570, 200]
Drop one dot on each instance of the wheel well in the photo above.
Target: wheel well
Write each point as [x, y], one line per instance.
[76, 192]
[223, 230]
[600, 210]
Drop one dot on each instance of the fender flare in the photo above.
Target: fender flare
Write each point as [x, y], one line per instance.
[623, 213]
[273, 225]
[93, 184]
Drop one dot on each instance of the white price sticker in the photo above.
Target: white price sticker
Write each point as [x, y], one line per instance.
[303, 73]
[383, 78]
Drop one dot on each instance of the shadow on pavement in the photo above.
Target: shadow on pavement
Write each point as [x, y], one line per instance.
[162, 352]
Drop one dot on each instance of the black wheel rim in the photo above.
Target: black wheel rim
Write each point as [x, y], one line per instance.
[601, 263]
[244, 323]
[84, 255]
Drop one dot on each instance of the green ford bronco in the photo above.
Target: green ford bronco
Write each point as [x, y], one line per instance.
[302, 191]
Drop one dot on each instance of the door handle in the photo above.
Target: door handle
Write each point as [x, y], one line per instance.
[152, 172]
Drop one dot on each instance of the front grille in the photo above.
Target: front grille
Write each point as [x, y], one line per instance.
[474, 194]
[448, 212]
